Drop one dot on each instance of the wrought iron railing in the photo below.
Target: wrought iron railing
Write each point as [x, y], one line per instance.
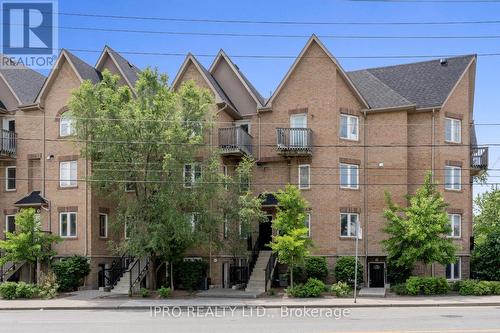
[238, 275]
[294, 140]
[270, 269]
[138, 271]
[8, 142]
[111, 276]
[235, 139]
[479, 157]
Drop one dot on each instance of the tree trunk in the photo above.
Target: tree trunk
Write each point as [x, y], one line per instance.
[152, 273]
[291, 276]
[38, 269]
[171, 275]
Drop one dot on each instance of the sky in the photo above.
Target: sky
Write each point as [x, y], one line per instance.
[266, 74]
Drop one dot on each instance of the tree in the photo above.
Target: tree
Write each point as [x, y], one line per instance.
[486, 258]
[487, 214]
[417, 233]
[28, 243]
[150, 141]
[291, 242]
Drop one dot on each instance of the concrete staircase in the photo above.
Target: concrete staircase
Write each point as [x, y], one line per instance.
[372, 292]
[122, 287]
[257, 283]
[9, 269]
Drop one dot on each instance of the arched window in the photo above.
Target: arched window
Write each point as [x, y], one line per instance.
[66, 124]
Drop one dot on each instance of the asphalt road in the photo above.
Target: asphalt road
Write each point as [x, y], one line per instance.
[422, 320]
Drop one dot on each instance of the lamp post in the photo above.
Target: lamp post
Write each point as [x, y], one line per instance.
[358, 236]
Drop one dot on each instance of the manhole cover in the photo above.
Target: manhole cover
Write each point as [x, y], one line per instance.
[451, 316]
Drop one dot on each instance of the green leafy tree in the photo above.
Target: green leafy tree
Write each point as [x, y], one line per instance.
[28, 243]
[486, 258]
[291, 242]
[487, 214]
[143, 140]
[417, 233]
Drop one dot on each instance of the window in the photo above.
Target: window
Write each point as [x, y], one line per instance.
[66, 125]
[10, 178]
[10, 223]
[307, 224]
[225, 173]
[453, 271]
[67, 174]
[129, 187]
[194, 220]
[304, 176]
[126, 231]
[348, 224]
[226, 228]
[103, 225]
[67, 224]
[453, 130]
[349, 127]
[349, 174]
[192, 173]
[452, 178]
[455, 221]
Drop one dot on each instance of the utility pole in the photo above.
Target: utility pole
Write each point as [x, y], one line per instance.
[358, 235]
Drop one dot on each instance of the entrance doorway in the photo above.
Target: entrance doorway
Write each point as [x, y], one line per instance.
[376, 274]
[265, 233]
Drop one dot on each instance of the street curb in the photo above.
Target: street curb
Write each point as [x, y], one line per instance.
[246, 306]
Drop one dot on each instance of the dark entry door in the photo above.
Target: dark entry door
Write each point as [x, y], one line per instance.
[376, 275]
[265, 234]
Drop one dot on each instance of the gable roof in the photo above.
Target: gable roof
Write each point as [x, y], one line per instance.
[423, 84]
[220, 95]
[128, 70]
[33, 199]
[315, 39]
[23, 82]
[82, 70]
[254, 93]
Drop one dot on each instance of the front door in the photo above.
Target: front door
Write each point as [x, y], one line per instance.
[265, 233]
[225, 275]
[376, 275]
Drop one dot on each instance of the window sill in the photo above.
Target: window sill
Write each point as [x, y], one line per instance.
[452, 142]
[454, 237]
[349, 188]
[304, 188]
[453, 190]
[349, 140]
[67, 187]
[69, 237]
[348, 238]
[11, 190]
[103, 238]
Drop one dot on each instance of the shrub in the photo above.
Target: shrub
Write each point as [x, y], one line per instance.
[8, 290]
[344, 270]
[427, 286]
[312, 288]
[48, 285]
[144, 292]
[455, 285]
[475, 288]
[70, 272]
[164, 292]
[399, 289]
[190, 273]
[341, 289]
[316, 267]
[299, 275]
[485, 261]
[26, 290]
[271, 292]
[397, 274]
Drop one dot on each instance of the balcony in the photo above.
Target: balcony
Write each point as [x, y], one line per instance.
[294, 141]
[479, 160]
[8, 144]
[235, 141]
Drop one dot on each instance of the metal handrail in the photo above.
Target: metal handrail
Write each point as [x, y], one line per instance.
[294, 139]
[117, 269]
[235, 138]
[479, 157]
[271, 263]
[141, 271]
[8, 142]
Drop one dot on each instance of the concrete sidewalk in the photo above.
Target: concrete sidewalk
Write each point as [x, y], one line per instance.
[70, 303]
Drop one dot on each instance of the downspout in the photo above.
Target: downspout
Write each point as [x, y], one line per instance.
[433, 158]
[86, 201]
[258, 116]
[44, 166]
[365, 193]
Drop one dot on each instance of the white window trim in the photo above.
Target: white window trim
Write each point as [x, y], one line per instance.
[125, 231]
[450, 216]
[106, 225]
[69, 224]
[452, 271]
[7, 179]
[308, 186]
[68, 182]
[454, 138]
[193, 174]
[349, 225]
[349, 117]
[309, 225]
[7, 221]
[450, 187]
[349, 186]
[69, 123]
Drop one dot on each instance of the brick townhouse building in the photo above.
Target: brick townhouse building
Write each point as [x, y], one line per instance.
[343, 137]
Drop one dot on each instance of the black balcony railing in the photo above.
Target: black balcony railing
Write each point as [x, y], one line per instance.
[235, 140]
[479, 158]
[294, 140]
[8, 143]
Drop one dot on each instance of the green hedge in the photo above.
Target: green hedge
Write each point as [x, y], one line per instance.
[427, 286]
[316, 267]
[479, 288]
[312, 288]
[345, 268]
[13, 290]
[341, 289]
[70, 272]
